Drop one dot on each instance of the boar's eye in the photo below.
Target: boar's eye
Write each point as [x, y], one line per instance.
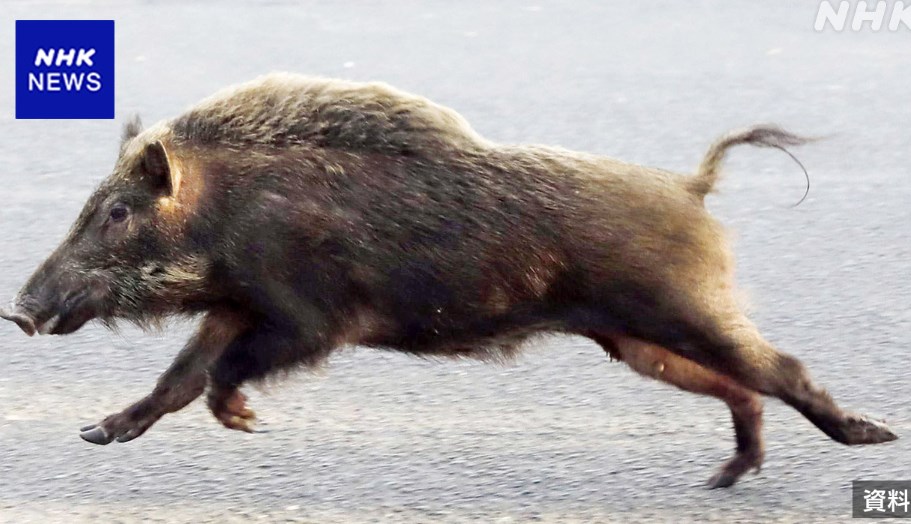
[119, 213]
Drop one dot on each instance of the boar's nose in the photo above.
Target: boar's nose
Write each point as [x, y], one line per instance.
[21, 318]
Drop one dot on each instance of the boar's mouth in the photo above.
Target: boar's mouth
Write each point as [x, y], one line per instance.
[73, 312]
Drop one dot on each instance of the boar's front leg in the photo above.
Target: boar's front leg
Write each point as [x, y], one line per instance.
[269, 347]
[182, 383]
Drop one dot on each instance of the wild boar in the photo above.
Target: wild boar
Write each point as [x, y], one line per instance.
[296, 215]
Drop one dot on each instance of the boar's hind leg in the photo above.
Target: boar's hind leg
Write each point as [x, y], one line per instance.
[745, 405]
[182, 383]
[736, 349]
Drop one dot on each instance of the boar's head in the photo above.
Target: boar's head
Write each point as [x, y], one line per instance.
[118, 257]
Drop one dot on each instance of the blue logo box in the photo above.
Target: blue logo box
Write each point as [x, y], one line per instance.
[64, 69]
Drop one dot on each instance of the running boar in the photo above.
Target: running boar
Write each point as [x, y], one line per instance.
[296, 215]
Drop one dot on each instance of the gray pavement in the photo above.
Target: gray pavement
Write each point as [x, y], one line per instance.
[561, 435]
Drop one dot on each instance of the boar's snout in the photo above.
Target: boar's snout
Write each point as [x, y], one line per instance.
[22, 319]
[52, 307]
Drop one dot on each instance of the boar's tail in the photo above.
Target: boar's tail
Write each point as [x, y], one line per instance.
[760, 135]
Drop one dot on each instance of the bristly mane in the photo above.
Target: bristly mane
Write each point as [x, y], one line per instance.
[284, 110]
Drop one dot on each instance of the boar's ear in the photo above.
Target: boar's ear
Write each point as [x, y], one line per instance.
[130, 130]
[159, 171]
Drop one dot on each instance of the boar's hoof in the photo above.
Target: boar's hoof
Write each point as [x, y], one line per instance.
[96, 435]
[734, 468]
[230, 408]
[122, 427]
[858, 429]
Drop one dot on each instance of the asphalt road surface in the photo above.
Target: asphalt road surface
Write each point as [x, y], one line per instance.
[561, 435]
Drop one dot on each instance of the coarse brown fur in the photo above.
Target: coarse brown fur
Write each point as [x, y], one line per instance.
[303, 214]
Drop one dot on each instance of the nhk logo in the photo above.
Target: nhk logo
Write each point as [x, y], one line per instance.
[878, 16]
[55, 81]
[64, 69]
